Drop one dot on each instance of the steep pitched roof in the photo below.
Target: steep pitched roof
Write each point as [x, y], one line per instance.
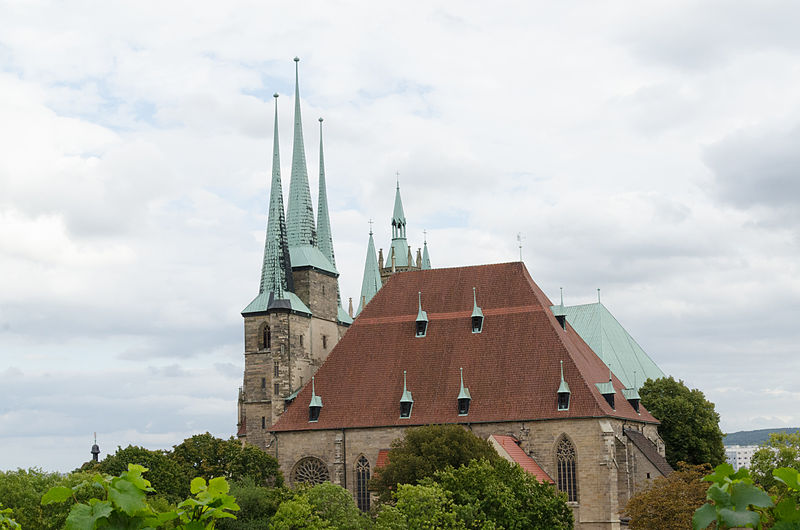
[649, 450]
[611, 342]
[371, 283]
[508, 447]
[512, 365]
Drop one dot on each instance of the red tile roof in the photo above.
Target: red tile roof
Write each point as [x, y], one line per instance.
[383, 458]
[513, 451]
[511, 368]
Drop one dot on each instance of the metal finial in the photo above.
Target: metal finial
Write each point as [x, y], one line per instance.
[519, 242]
[313, 391]
[297, 59]
[370, 225]
[275, 95]
[397, 175]
[425, 236]
[419, 294]
[562, 369]
[598, 295]
[474, 296]
[562, 296]
[404, 381]
[320, 120]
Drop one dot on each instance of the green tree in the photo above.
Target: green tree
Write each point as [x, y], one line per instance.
[670, 502]
[689, 423]
[502, 495]
[425, 450]
[781, 450]
[419, 507]
[168, 476]
[6, 521]
[257, 505]
[208, 457]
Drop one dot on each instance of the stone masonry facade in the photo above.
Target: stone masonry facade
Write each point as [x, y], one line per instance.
[609, 468]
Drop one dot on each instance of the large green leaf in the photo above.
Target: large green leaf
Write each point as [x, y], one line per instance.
[788, 476]
[218, 486]
[721, 472]
[85, 517]
[198, 485]
[744, 495]
[739, 519]
[786, 510]
[786, 525]
[127, 496]
[704, 516]
[718, 495]
[57, 494]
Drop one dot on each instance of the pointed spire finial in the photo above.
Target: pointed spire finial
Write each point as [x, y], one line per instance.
[419, 294]
[404, 381]
[598, 295]
[397, 175]
[425, 236]
[370, 225]
[461, 371]
[562, 296]
[562, 369]
[313, 390]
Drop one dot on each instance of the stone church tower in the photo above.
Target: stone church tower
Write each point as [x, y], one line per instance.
[297, 317]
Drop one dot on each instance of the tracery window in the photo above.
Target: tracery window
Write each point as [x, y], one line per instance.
[310, 470]
[565, 463]
[362, 482]
[266, 336]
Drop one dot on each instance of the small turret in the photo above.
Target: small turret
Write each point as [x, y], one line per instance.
[95, 449]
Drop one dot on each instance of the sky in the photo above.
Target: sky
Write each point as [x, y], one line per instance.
[649, 149]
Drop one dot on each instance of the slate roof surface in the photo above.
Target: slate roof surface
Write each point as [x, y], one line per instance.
[511, 368]
[649, 450]
[606, 336]
[510, 446]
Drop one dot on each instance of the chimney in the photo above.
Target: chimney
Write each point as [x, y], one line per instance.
[350, 308]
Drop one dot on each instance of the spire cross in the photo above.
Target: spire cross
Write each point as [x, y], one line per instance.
[425, 236]
[397, 175]
[370, 225]
[519, 243]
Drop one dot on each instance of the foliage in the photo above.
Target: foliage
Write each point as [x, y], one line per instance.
[419, 507]
[689, 423]
[208, 456]
[6, 521]
[781, 450]
[21, 491]
[670, 501]
[124, 504]
[322, 506]
[502, 495]
[257, 505]
[168, 476]
[738, 503]
[425, 450]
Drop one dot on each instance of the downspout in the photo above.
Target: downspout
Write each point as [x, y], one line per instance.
[344, 456]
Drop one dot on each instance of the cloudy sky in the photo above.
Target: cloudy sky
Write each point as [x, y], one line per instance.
[649, 149]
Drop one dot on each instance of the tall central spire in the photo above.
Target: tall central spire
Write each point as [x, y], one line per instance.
[275, 276]
[300, 217]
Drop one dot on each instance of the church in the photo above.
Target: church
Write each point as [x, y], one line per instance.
[479, 346]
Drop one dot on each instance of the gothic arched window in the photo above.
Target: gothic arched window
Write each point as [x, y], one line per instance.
[310, 470]
[266, 337]
[565, 462]
[362, 482]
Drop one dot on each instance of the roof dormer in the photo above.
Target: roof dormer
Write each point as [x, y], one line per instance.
[607, 390]
[464, 397]
[422, 319]
[406, 401]
[563, 391]
[315, 406]
[477, 314]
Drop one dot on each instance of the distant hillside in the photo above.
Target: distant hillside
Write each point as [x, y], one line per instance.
[753, 437]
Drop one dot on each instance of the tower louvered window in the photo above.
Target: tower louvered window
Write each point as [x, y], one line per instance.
[362, 483]
[565, 462]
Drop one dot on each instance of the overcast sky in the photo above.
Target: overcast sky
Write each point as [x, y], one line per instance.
[650, 149]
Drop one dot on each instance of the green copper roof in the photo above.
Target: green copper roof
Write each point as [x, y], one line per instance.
[630, 393]
[300, 216]
[308, 256]
[610, 341]
[372, 276]
[324, 236]
[421, 315]
[399, 243]
[605, 388]
[316, 401]
[464, 393]
[275, 275]
[563, 387]
[426, 259]
[400, 248]
[343, 317]
[406, 397]
[398, 215]
[267, 301]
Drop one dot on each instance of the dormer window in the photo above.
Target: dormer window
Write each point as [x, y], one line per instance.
[632, 395]
[422, 319]
[464, 397]
[609, 399]
[563, 391]
[315, 406]
[477, 314]
[607, 390]
[562, 321]
[406, 401]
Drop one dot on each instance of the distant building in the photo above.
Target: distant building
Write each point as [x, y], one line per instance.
[740, 455]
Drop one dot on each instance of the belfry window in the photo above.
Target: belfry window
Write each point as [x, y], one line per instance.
[266, 336]
[362, 484]
[565, 464]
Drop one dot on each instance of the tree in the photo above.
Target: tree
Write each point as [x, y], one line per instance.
[425, 450]
[169, 476]
[257, 505]
[419, 507]
[325, 505]
[502, 495]
[781, 450]
[689, 423]
[208, 456]
[670, 502]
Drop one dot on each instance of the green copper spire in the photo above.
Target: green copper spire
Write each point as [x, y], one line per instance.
[399, 244]
[426, 259]
[275, 268]
[372, 275]
[300, 217]
[324, 237]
